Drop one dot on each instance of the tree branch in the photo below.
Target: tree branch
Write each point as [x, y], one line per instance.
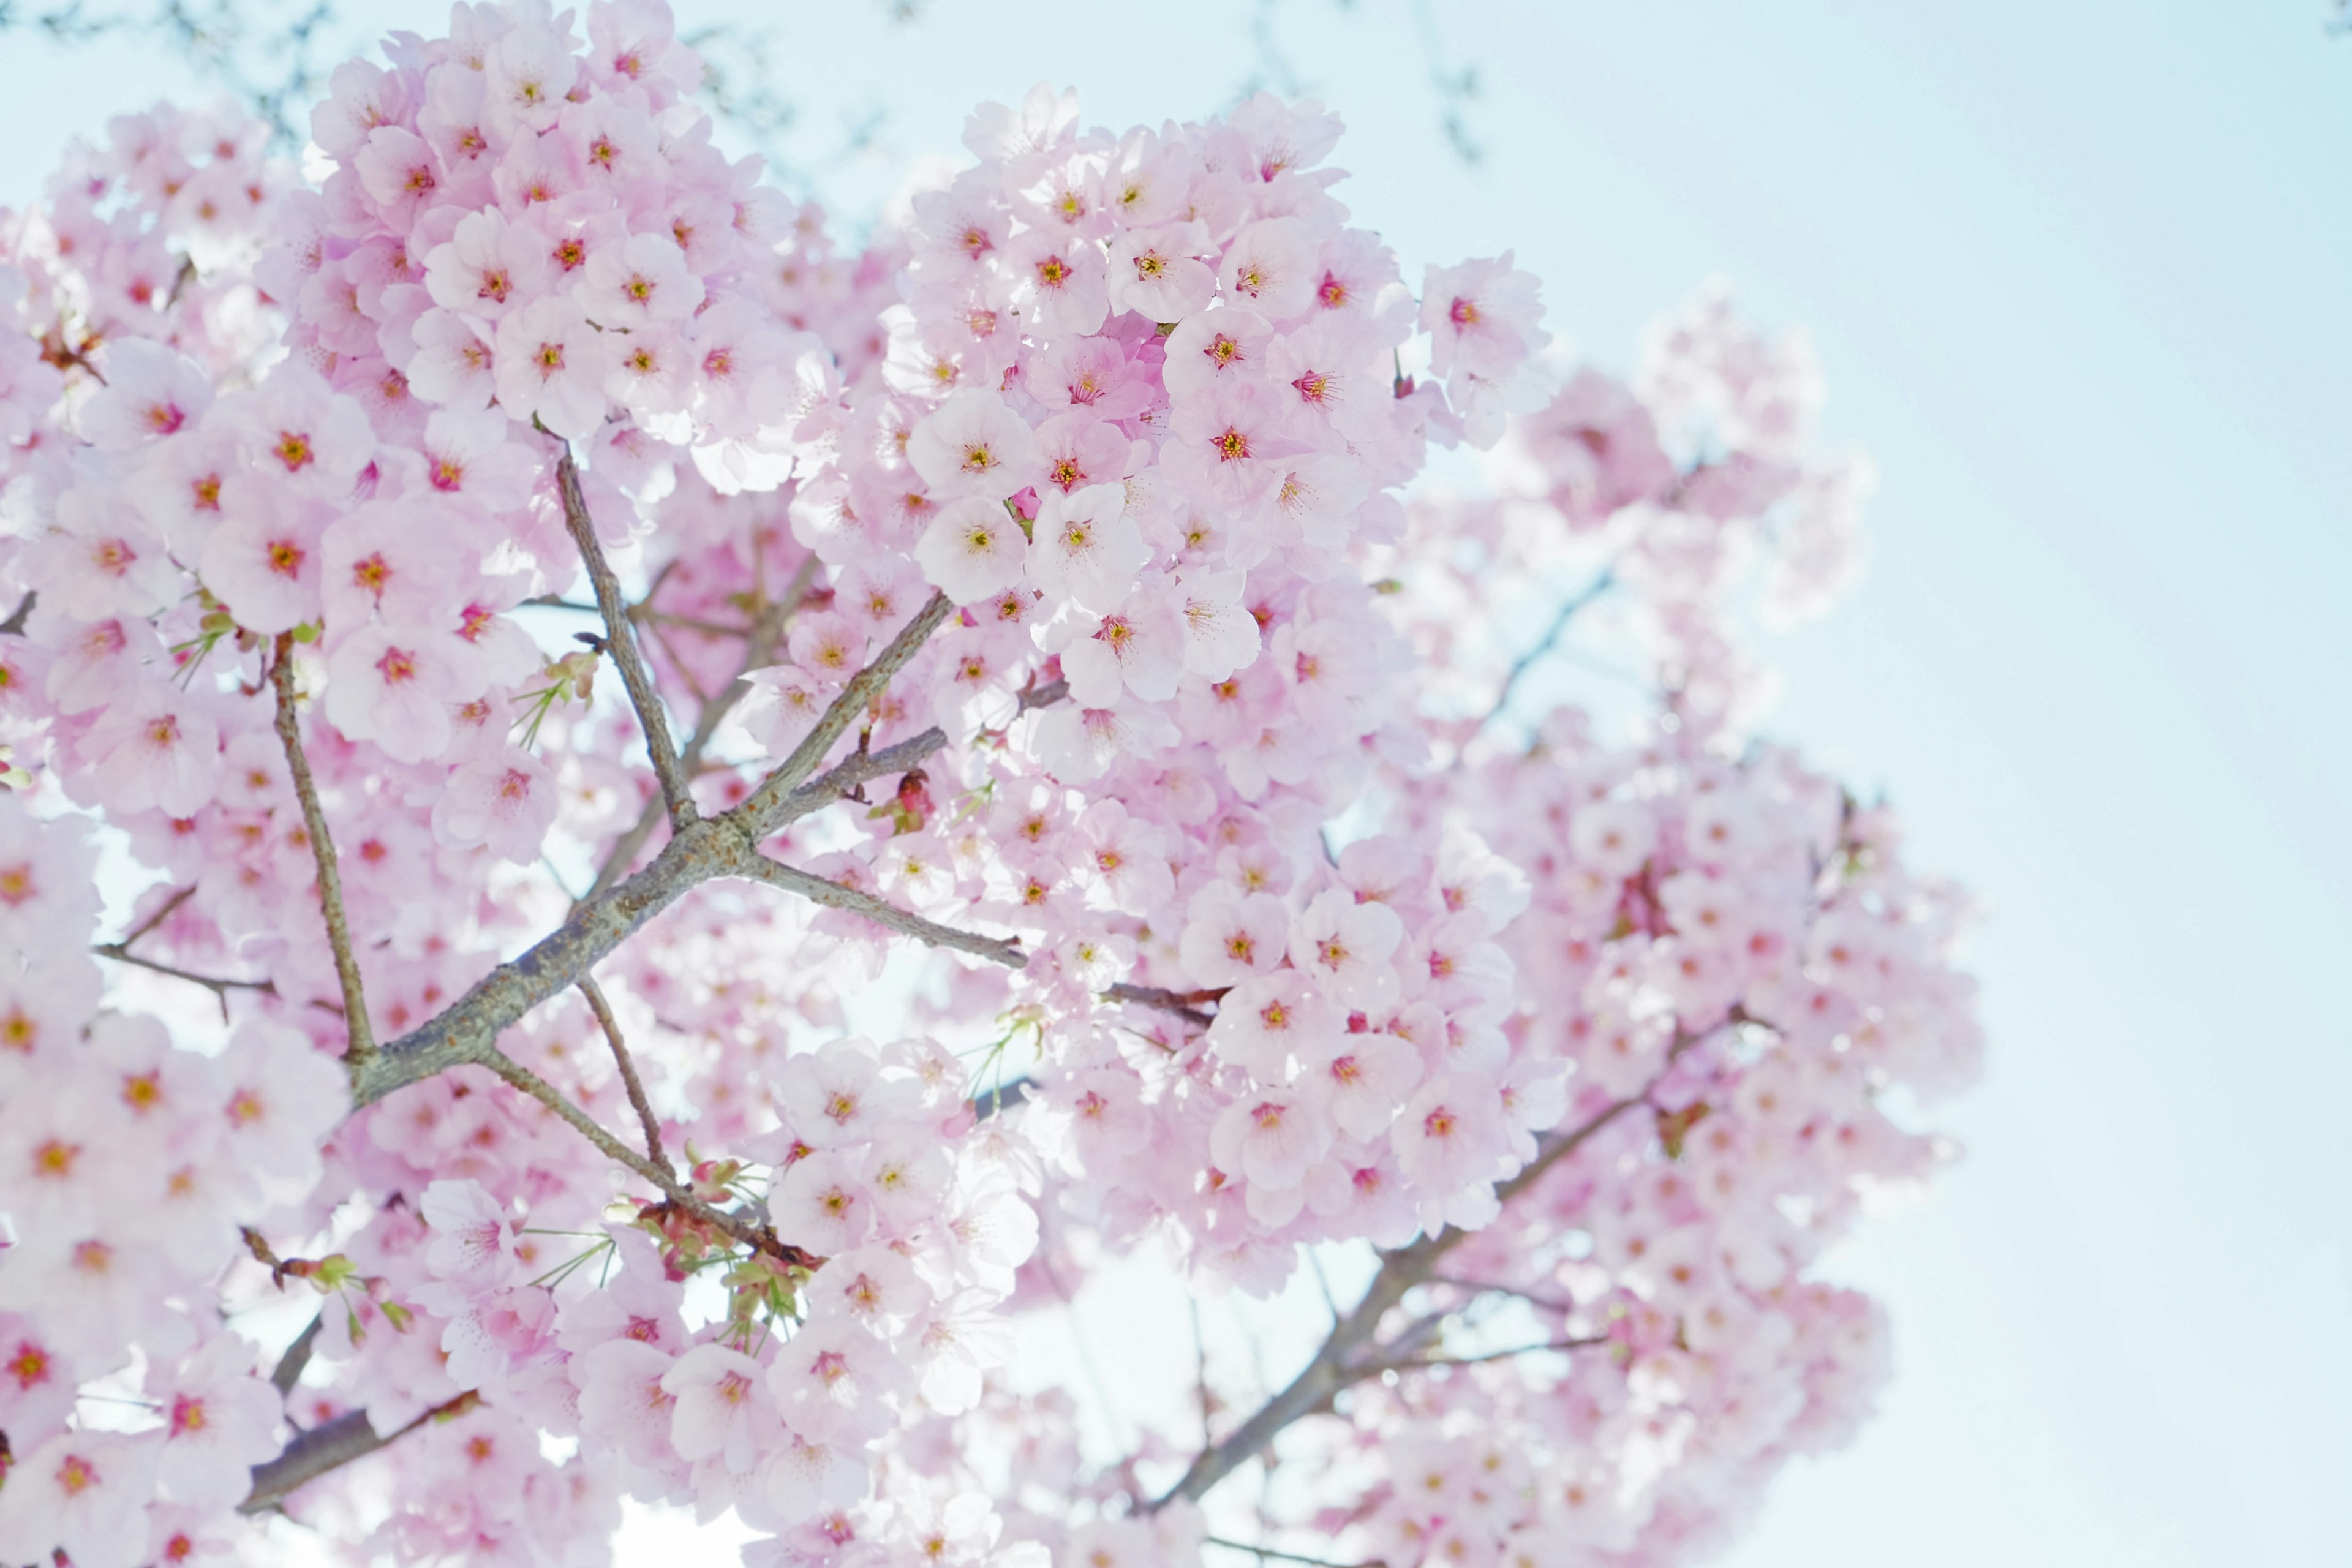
[467, 1030]
[621, 639]
[330, 1446]
[360, 1049]
[162, 912]
[1415, 1363]
[629, 1080]
[214, 983]
[289, 1370]
[1264, 1552]
[1181, 1002]
[765, 811]
[1339, 1365]
[623, 853]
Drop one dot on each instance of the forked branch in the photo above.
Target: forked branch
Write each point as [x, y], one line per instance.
[765, 626]
[467, 1029]
[620, 641]
[1343, 1361]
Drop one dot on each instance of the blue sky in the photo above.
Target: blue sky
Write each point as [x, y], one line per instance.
[2080, 276]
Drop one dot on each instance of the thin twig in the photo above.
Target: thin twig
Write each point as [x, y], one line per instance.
[761, 1237]
[1593, 591]
[1485, 1288]
[464, 1030]
[1044, 696]
[629, 1080]
[1201, 1368]
[832, 895]
[1415, 1363]
[212, 983]
[15, 624]
[360, 1046]
[1268, 1551]
[763, 812]
[620, 639]
[654, 623]
[162, 912]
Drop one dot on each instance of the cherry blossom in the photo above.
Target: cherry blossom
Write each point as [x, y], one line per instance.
[545, 633]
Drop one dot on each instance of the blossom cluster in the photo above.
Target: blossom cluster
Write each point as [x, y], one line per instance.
[1733, 958]
[908, 1230]
[130, 1166]
[1091, 489]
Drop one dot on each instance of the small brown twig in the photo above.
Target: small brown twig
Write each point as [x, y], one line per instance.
[1419, 1364]
[629, 1080]
[832, 895]
[361, 1038]
[164, 911]
[678, 1195]
[763, 813]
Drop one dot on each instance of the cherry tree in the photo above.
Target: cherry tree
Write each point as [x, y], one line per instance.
[546, 641]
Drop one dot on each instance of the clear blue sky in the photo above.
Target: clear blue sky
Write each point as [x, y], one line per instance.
[2080, 278]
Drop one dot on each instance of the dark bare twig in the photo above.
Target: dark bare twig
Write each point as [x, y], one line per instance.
[15, 624]
[766, 802]
[1417, 1363]
[212, 983]
[678, 1194]
[1597, 587]
[330, 1446]
[1481, 1287]
[467, 1029]
[162, 912]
